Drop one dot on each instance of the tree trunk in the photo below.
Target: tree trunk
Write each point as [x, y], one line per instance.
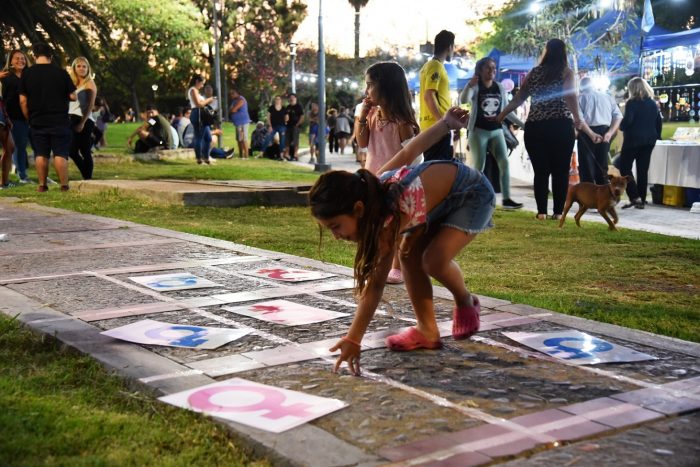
[135, 102]
[357, 32]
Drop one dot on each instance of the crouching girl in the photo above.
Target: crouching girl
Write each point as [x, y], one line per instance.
[434, 209]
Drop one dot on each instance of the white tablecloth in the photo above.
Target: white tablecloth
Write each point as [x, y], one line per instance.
[675, 164]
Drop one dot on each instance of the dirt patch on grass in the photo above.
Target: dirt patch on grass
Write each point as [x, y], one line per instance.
[649, 285]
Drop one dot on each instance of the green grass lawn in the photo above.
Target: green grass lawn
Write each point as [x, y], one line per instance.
[61, 409]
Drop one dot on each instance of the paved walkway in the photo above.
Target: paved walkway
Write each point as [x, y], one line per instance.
[666, 220]
[484, 400]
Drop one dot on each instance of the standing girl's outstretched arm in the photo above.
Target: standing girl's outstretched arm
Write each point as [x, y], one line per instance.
[454, 118]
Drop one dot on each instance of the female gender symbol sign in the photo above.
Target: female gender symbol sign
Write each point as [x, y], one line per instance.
[253, 404]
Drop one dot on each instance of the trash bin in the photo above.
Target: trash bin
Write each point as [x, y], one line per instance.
[673, 195]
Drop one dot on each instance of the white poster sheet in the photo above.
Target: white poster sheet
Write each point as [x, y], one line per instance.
[287, 274]
[175, 335]
[285, 312]
[264, 407]
[577, 347]
[177, 281]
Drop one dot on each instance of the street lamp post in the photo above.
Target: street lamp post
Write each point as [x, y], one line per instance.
[217, 63]
[154, 87]
[321, 165]
[293, 56]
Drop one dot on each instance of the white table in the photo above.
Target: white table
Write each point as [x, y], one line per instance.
[675, 163]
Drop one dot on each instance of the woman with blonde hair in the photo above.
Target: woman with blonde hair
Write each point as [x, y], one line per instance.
[10, 77]
[641, 126]
[80, 112]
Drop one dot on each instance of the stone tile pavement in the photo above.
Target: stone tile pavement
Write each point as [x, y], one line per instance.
[484, 400]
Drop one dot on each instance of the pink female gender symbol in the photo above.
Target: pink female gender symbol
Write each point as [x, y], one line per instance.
[272, 402]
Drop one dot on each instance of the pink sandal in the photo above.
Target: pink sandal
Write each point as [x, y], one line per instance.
[465, 320]
[395, 277]
[411, 339]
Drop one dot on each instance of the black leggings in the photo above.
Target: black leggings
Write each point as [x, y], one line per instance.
[550, 144]
[642, 155]
[81, 147]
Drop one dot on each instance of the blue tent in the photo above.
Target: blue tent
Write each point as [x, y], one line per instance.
[454, 73]
[665, 41]
[612, 60]
[513, 66]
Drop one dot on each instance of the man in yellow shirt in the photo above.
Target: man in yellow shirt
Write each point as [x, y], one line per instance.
[435, 94]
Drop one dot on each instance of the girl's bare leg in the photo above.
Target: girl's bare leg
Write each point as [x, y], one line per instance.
[438, 262]
[418, 285]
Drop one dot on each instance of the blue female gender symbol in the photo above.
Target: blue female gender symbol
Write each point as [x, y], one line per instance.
[191, 340]
[174, 282]
[556, 342]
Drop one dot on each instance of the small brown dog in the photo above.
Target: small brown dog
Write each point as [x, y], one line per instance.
[600, 197]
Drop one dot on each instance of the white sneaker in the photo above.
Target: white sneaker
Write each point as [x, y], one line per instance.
[24, 181]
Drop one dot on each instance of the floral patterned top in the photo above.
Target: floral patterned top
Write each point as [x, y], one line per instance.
[412, 199]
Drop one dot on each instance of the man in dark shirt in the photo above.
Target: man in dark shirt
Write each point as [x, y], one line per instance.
[155, 132]
[44, 93]
[294, 117]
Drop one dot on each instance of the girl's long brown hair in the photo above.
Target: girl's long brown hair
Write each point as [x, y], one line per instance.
[390, 79]
[336, 192]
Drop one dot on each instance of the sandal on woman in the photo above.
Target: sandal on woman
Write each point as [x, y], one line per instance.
[395, 277]
[465, 320]
[411, 339]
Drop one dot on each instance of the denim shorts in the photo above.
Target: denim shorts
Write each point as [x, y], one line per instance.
[56, 139]
[470, 204]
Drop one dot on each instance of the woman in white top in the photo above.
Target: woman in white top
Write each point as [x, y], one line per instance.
[202, 128]
[80, 111]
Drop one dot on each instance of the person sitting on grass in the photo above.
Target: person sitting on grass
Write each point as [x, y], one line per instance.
[154, 133]
[274, 150]
[216, 152]
[437, 208]
[257, 138]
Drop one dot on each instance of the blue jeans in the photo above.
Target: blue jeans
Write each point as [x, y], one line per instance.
[20, 133]
[202, 136]
[279, 129]
[479, 141]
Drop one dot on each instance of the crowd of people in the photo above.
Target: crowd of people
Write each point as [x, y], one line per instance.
[57, 112]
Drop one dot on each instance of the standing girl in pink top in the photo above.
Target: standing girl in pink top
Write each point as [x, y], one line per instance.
[386, 123]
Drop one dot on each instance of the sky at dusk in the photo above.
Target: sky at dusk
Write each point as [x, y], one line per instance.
[389, 23]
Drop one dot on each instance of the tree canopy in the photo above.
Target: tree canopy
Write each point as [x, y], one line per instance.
[69, 26]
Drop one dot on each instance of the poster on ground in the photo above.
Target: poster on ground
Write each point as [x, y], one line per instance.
[175, 335]
[577, 347]
[258, 405]
[285, 312]
[287, 274]
[177, 281]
